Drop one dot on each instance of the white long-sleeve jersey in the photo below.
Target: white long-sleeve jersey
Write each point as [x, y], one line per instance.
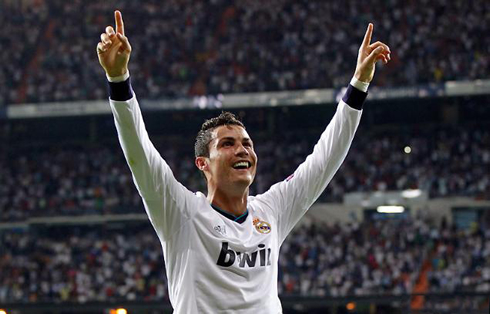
[214, 264]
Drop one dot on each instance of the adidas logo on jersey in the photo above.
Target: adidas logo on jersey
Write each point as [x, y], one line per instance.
[228, 257]
[220, 229]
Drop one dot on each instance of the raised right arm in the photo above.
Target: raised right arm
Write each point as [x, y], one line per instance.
[166, 201]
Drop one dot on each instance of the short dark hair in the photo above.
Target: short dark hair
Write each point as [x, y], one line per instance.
[204, 137]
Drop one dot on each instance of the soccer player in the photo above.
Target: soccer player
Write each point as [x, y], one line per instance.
[221, 249]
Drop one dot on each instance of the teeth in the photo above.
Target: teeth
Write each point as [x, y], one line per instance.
[241, 164]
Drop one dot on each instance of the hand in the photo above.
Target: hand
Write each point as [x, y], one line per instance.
[369, 54]
[114, 49]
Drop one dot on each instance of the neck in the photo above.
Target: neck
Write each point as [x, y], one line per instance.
[235, 204]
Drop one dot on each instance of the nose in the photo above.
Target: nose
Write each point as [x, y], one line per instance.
[241, 150]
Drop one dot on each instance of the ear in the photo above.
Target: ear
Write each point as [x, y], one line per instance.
[201, 163]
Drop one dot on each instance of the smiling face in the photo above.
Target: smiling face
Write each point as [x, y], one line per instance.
[232, 162]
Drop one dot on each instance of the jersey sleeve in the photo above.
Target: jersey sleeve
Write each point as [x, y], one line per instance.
[166, 201]
[291, 198]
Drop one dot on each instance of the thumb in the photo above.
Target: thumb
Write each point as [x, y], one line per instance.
[125, 42]
[374, 55]
[113, 51]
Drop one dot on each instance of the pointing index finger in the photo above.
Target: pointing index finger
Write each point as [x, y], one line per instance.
[367, 36]
[119, 22]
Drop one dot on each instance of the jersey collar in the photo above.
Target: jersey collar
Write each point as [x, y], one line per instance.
[239, 219]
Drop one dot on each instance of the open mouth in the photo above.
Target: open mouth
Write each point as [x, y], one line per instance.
[242, 165]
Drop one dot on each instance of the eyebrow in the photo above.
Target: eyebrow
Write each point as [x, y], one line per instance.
[229, 138]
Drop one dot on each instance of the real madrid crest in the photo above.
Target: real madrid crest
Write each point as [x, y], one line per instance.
[262, 226]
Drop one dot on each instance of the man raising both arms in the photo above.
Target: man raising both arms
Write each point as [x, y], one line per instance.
[221, 249]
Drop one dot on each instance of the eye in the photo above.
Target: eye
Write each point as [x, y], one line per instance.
[227, 143]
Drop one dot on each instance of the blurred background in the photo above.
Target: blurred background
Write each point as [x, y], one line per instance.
[402, 228]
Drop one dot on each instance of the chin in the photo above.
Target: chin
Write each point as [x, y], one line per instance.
[244, 182]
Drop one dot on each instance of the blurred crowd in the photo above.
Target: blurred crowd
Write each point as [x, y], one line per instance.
[384, 257]
[83, 179]
[366, 258]
[105, 263]
[77, 265]
[461, 260]
[447, 161]
[19, 35]
[187, 47]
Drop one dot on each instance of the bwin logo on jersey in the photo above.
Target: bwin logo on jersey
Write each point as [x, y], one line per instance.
[227, 257]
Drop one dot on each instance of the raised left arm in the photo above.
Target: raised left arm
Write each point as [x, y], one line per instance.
[290, 199]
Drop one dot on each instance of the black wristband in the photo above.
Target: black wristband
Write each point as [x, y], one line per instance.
[121, 91]
[354, 97]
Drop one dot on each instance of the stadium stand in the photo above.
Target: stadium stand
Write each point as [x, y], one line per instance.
[18, 46]
[108, 263]
[185, 47]
[82, 265]
[86, 179]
